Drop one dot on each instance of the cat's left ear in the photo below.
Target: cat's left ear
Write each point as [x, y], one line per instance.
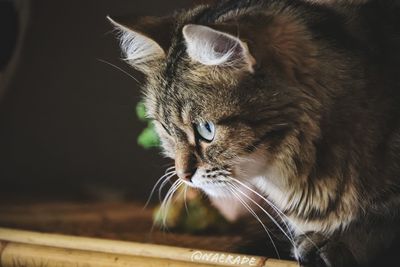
[144, 40]
[216, 48]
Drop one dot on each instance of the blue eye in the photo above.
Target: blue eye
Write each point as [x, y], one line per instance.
[206, 130]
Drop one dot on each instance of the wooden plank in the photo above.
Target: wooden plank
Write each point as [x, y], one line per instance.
[126, 221]
[27, 255]
[33, 247]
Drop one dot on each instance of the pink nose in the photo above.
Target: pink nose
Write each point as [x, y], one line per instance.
[186, 175]
[185, 163]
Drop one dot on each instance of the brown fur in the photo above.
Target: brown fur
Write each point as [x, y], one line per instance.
[309, 118]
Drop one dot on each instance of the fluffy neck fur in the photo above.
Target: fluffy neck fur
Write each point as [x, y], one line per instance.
[306, 113]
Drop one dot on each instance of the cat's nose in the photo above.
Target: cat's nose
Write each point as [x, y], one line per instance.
[186, 174]
[185, 163]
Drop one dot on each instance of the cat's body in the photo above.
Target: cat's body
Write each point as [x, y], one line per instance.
[296, 101]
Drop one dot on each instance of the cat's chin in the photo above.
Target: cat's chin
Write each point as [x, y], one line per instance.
[219, 191]
[216, 190]
[217, 187]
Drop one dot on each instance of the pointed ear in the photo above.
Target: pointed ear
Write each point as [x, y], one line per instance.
[144, 40]
[216, 48]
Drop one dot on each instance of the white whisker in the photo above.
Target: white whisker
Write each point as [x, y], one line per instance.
[185, 198]
[272, 205]
[276, 209]
[120, 69]
[252, 212]
[167, 200]
[166, 180]
[166, 176]
[290, 238]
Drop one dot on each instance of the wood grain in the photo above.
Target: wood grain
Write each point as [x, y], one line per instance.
[120, 228]
[118, 220]
[31, 249]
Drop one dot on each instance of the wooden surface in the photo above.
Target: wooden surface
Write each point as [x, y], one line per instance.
[33, 249]
[121, 221]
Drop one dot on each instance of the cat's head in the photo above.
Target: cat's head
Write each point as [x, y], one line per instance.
[227, 97]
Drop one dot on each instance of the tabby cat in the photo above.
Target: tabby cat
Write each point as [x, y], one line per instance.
[293, 102]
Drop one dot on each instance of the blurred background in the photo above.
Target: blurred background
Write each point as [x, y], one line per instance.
[68, 127]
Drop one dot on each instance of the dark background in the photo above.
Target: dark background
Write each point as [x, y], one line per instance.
[68, 128]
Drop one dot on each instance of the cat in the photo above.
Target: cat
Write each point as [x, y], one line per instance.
[294, 102]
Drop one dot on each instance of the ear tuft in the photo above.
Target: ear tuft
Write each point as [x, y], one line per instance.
[215, 48]
[138, 49]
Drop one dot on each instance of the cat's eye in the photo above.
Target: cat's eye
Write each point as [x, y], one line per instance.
[206, 130]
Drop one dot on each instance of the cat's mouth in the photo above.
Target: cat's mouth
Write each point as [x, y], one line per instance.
[214, 188]
[214, 182]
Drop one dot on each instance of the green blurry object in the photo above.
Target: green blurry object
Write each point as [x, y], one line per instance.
[141, 111]
[148, 138]
[196, 216]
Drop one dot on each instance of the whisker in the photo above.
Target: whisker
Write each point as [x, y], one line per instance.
[252, 212]
[262, 197]
[269, 216]
[165, 176]
[276, 209]
[166, 180]
[170, 168]
[167, 200]
[185, 198]
[118, 68]
[163, 207]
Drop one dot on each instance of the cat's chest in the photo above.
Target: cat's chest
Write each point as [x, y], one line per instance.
[273, 193]
[282, 200]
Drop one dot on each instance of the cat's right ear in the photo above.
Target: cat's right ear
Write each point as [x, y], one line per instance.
[144, 40]
[216, 48]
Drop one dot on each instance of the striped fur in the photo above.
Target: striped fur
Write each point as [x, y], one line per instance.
[310, 123]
